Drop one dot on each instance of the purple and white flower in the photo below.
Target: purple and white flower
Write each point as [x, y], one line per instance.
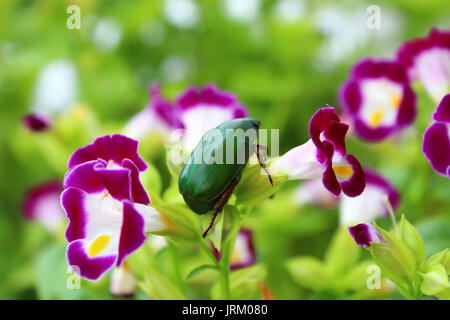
[243, 252]
[107, 207]
[370, 204]
[41, 203]
[324, 156]
[202, 109]
[428, 60]
[37, 122]
[436, 139]
[158, 116]
[378, 99]
[365, 234]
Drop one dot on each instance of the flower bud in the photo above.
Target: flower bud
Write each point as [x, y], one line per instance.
[409, 235]
[435, 280]
[392, 255]
[365, 234]
[396, 260]
[123, 282]
[255, 186]
[440, 257]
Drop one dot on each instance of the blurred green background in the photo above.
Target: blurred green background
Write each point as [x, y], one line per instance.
[283, 59]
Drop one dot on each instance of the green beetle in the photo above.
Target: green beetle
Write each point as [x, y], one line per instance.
[214, 167]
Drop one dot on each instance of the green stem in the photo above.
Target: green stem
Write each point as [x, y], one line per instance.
[225, 282]
[224, 270]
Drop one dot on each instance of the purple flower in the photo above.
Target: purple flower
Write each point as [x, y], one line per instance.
[370, 204]
[158, 116]
[436, 139]
[107, 207]
[378, 99]
[324, 156]
[36, 122]
[243, 252]
[428, 60]
[364, 234]
[203, 109]
[41, 203]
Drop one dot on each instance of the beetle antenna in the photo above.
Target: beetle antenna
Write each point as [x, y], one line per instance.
[263, 165]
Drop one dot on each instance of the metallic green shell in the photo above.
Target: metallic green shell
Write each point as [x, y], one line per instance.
[207, 175]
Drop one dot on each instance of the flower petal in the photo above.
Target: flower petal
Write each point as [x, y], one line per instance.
[116, 181]
[132, 234]
[116, 147]
[72, 200]
[90, 215]
[90, 268]
[355, 185]
[42, 203]
[300, 162]
[335, 133]
[436, 147]
[320, 121]
[203, 109]
[84, 177]
[442, 112]
[370, 204]
[428, 59]
[137, 191]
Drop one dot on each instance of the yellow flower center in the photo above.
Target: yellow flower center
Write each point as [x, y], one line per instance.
[98, 245]
[343, 171]
[375, 118]
[235, 257]
[395, 101]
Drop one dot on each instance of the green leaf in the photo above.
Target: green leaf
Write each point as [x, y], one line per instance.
[308, 272]
[196, 271]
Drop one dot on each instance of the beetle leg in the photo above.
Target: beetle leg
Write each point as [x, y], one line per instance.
[263, 165]
[224, 198]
